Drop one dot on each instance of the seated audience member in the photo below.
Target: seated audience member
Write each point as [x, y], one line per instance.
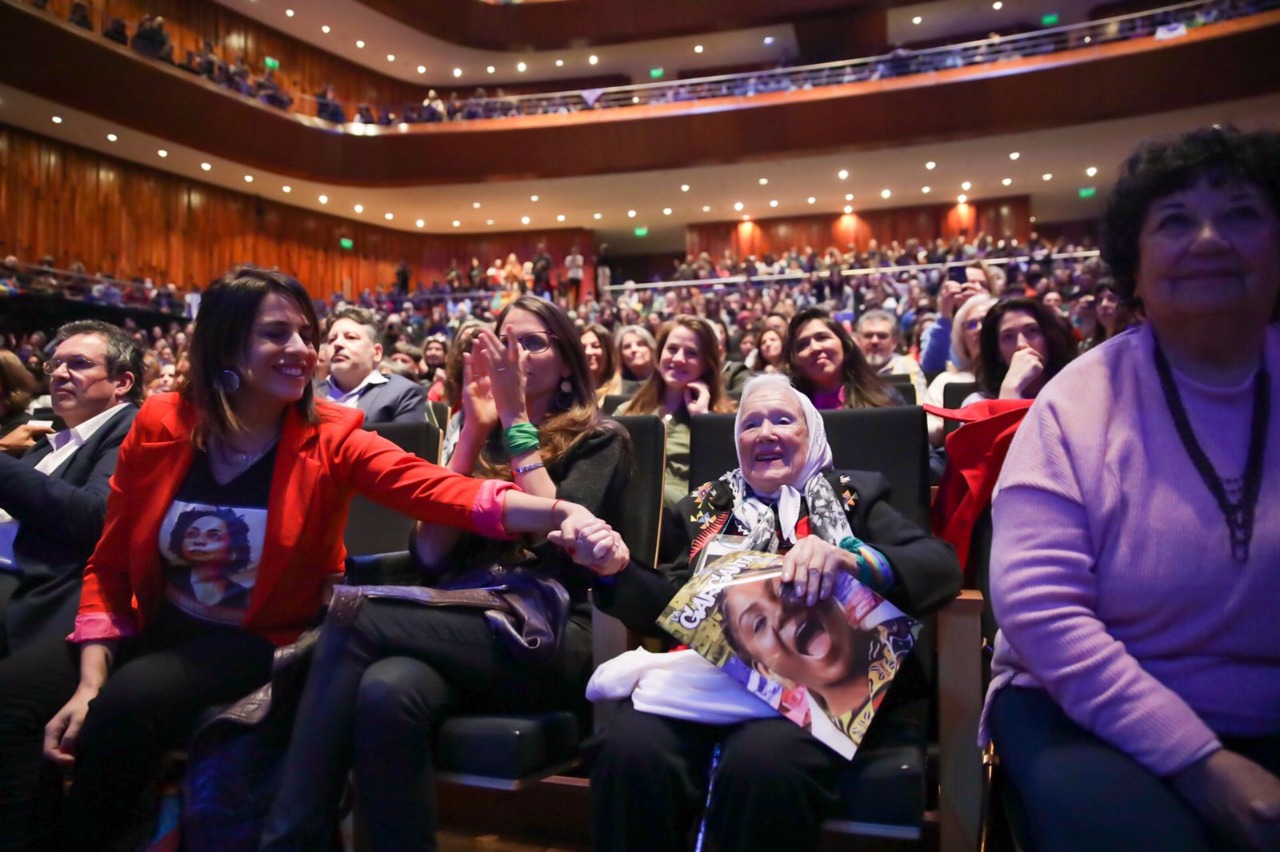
[151, 40]
[1136, 678]
[384, 683]
[115, 31]
[685, 383]
[354, 380]
[1022, 345]
[405, 359]
[734, 373]
[770, 354]
[637, 351]
[775, 782]
[966, 332]
[433, 109]
[328, 107]
[431, 369]
[827, 366]
[1112, 317]
[270, 93]
[164, 628]
[17, 387]
[877, 336]
[936, 345]
[80, 15]
[602, 360]
[53, 499]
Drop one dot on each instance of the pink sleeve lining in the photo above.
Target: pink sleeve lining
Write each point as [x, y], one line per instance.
[96, 626]
[486, 512]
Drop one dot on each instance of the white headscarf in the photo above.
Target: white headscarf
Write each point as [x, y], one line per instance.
[750, 508]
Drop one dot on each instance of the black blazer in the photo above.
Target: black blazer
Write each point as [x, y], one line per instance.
[62, 517]
[397, 400]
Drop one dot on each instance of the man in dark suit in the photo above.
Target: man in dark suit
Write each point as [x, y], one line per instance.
[354, 380]
[55, 496]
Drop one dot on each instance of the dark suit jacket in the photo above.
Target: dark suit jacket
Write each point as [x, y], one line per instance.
[397, 401]
[62, 517]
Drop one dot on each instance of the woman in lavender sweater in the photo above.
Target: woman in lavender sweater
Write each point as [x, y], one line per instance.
[1135, 699]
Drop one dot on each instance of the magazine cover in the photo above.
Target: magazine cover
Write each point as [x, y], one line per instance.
[826, 667]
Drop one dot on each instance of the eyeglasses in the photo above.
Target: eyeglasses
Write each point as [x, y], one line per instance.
[534, 342]
[973, 325]
[76, 364]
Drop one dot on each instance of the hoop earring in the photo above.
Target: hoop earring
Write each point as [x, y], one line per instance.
[228, 381]
[564, 399]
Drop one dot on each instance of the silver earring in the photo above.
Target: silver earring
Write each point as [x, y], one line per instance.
[228, 381]
[566, 386]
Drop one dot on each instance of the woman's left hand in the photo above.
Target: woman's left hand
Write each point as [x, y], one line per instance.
[506, 376]
[592, 543]
[811, 568]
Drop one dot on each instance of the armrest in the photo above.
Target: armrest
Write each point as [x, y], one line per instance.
[960, 697]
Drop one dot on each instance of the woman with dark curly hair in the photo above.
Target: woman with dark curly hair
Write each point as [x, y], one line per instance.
[1021, 347]
[829, 368]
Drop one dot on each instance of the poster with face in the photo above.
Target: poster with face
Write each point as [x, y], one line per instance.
[826, 667]
[211, 555]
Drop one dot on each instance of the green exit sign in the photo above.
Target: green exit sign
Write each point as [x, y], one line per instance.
[657, 73]
[347, 244]
[642, 232]
[1049, 20]
[271, 63]
[1088, 191]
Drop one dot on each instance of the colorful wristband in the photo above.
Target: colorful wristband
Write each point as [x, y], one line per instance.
[874, 570]
[521, 438]
[528, 468]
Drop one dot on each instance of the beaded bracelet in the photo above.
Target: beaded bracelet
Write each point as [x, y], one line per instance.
[874, 570]
[521, 438]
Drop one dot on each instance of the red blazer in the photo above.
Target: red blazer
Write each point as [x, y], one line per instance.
[318, 469]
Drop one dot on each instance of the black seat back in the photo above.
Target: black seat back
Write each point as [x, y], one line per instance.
[612, 401]
[901, 382]
[640, 522]
[372, 528]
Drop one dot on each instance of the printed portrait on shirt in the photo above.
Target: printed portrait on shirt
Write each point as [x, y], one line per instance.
[212, 555]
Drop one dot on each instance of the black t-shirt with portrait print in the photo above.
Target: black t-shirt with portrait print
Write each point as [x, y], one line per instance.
[211, 541]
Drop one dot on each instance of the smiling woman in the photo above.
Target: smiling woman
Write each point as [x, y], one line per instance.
[829, 368]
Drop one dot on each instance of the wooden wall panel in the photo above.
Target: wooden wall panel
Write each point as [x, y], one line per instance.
[125, 220]
[998, 216]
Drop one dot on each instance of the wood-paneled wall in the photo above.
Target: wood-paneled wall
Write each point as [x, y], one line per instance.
[997, 216]
[123, 219]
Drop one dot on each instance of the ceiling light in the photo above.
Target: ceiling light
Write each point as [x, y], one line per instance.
[997, 5]
[1033, 220]
[559, 63]
[359, 208]
[524, 220]
[457, 223]
[962, 199]
[57, 119]
[475, 205]
[884, 193]
[111, 137]
[1091, 171]
[666, 211]
[324, 199]
[697, 48]
[966, 186]
[597, 216]
[1047, 176]
[162, 153]
[521, 67]
[738, 206]
[205, 167]
[926, 189]
[848, 208]
[917, 20]
[491, 70]
[773, 203]
[533, 198]
[746, 218]
[422, 69]
[391, 57]
[931, 165]
[706, 208]
[813, 199]
[457, 72]
[559, 217]
[288, 13]
[248, 178]
[593, 60]
[325, 29]
[488, 221]
[388, 216]
[1013, 155]
[286, 189]
[764, 181]
[684, 187]
[420, 223]
[768, 40]
[842, 174]
[848, 196]
[1007, 182]
[631, 214]
[360, 43]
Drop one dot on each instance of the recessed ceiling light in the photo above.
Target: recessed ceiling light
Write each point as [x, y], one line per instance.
[842, 174]
[773, 203]
[1091, 171]
[488, 221]
[559, 63]
[926, 189]
[931, 165]
[111, 137]
[475, 205]
[997, 5]
[205, 167]
[359, 208]
[1033, 220]
[848, 196]
[420, 223]
[917, 20]
[666, 211]
[593, 60]
[457, 72]
[1007, 182]
[324, 199]
[533, 198]
[966, 186]
[524, 220]
[746, 218]
[391, 57]
[697, 48]
[884, 193]
[288, 13]
[764, 181]
[597, 216]
[162, 153]
[559, 217]
[286, 189]
[684, 187]
[848, 208]
[57, 119]
[813, 199]
[491, 69]
[768, 40]
[521, 67]
[738, 205]
[631, 214]
[1013, 155]
[1047, 176]
[248, 178]
[457, 223]
[325, 29]
[388, 216]
[962, 199]
[422, 69]
[360, 43]
[706, 208]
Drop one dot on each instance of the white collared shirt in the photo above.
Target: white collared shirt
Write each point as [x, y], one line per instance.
[351, 397]
[65, 444]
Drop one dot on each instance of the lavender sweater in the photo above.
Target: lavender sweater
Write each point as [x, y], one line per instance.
[1111, 571]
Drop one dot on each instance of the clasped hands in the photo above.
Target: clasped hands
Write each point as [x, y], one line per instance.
[591, 542]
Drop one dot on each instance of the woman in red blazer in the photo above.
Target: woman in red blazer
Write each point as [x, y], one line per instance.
[223, 536]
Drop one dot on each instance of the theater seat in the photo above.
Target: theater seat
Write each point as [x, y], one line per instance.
[372, 528]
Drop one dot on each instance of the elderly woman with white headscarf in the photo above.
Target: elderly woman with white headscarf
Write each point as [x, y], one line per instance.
[775, 781]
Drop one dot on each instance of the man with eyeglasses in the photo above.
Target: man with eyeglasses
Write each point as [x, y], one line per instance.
[877, 337]
[53, 496]
[354, 380]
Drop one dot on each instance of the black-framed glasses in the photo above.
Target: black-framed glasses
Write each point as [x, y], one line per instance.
[534, 342]
[76, 364]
